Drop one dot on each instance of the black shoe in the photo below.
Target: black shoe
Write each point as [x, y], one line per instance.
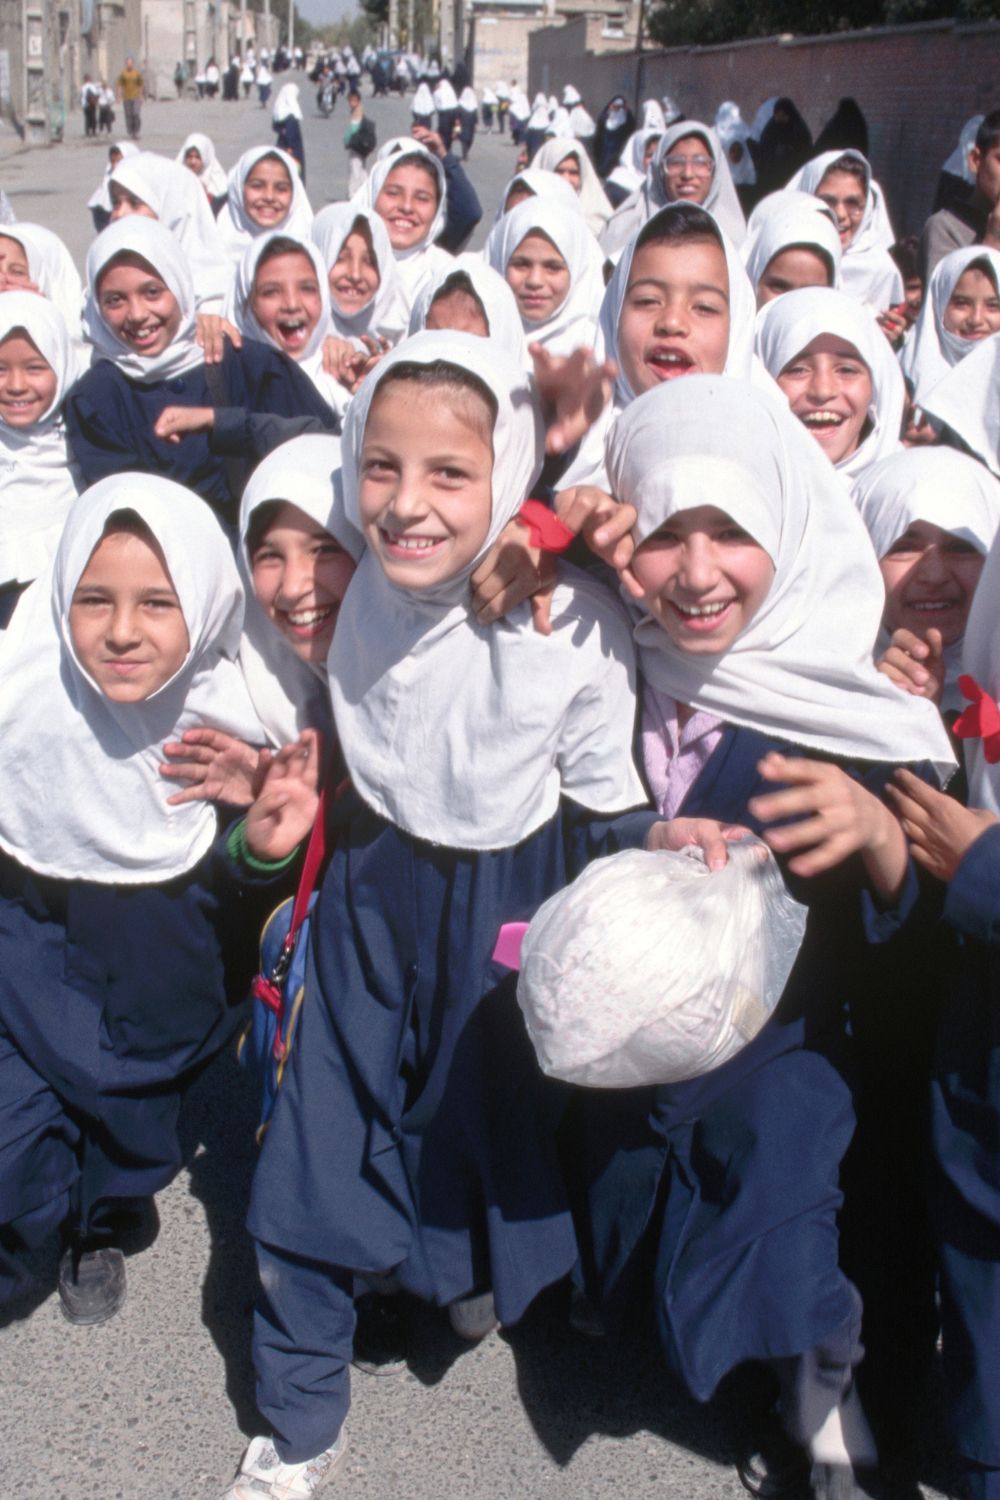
[380, 1334]
[91, 1284]
[773, 1466]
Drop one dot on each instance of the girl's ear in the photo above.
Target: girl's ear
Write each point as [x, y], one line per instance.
[631, 583]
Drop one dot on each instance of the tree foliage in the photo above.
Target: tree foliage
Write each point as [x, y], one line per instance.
[678, 23]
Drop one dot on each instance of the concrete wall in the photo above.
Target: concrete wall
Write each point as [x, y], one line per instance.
[498, 48]
[917, 85]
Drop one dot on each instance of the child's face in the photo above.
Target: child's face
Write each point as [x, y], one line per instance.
[459, 311]
[790, 269]
[426, 482]
[829, 389]
[27, 382]
[300, 576]
[650, 150]
[688, 170]
[407, 202]
[913, 290]
[139, 307]
[192, 159]
[675, 316]
[845, 194]
[973, 310]
[569, 168]
[354, 277]
[13, 264]
[930, 577]
[539, 278]
[267, 193]
[703, 578]
[519, 193]
[125, 619]
[286, 301]
[124, 203]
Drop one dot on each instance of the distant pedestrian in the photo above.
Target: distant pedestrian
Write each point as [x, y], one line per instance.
[180, 79]
[106, 108]
[131, 91]
[89, 98]
[359, 142]
[286, 119]
[264, 80]
[468, 114]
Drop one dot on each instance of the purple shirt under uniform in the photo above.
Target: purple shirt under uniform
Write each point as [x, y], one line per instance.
[673, 757]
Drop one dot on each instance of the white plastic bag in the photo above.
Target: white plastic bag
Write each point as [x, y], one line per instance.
[651, 969]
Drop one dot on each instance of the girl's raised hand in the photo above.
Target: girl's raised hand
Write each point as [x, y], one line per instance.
[705, 833]
[212, 333]
[575, 390]
[836, 817]
[284, 810]
[940, 830]
[513, 570]
[605, 525]
[217, 766]
[916, 664]
[175, 422]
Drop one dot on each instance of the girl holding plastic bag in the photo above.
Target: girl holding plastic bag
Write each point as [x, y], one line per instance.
[761, 704]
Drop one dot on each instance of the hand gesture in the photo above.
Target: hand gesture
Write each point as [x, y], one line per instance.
[893, 324]
[575, 388]
[940, 830]
[174, 422]
[706, 833]
[217, 767]
[835, 818]
[605, 525]
[285, 807]
[514, 570]
[916, 665]
[212, 333]
[431, 140]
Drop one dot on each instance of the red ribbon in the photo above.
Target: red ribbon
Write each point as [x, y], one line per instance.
[547, 531]
[981, 720]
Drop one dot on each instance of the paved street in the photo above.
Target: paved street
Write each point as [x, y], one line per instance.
[157, 1404]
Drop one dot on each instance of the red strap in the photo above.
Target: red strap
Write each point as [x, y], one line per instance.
[981, 720]
[547, 531]
[315, 852]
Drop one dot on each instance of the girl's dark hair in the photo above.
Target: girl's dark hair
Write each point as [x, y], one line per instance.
[679, 222]
[984, 265]
[260, 524]
[906, 254]
[848, 164]
[414, 159]
[442, 374]
[459, 281]
[127, 258]
[132, 523]
[988, 134]
[361, 226]
[282, 244]
[271, 156]
[824, 256]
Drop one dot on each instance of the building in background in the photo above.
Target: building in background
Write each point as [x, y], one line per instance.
[499, 32]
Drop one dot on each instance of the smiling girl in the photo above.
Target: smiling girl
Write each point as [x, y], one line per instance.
[569, 159]
[547, 258]
[116, 973]
[689, 166]
[843, 181]
[365, 295]
[152, 187]
[265, 195]
[962, 307]
[408, 191]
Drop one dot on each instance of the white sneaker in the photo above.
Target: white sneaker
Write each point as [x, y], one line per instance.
[473, 1318]
[263, 1475]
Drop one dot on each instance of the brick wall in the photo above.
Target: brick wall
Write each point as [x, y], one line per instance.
[917, 85]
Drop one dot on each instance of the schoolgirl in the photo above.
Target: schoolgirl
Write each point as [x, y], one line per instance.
[833, 363]
[197, 153]
[468, 115]
[265, 196]
[689, 166]
[794, 247]
[533, 182]
[630, 170]
[99, 201]
[961, 308]
[37, 481]
[365, 295]
[471, 297]
[546, 257]
[281, 297]
[422, 106]
[731, 1179]
[153, 187]
[409, 192]
[286, 122]
[844, 181]
[37, 259]
[118, 960]
[959, 848]
[537, 125]
[568, 158]
[457, 828]
[964, 400]
[446, 105]
[140, 318]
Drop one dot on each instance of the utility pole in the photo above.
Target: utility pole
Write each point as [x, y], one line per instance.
[291, 26]
[267, 28]
[411, 43]
[243, 31]
[393, 23]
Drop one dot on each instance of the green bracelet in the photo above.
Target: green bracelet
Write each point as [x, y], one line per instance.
[239, 851]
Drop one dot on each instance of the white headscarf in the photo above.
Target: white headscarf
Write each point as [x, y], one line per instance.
[798, 226]
[174, 195]
[419, 261]
[966, 400]
[630, 172]
[574, 324]
[571, 95]
[37, 481]
[582, 123]
[499, 304]
[238, 310]
[236, 226]
[721, 201]
[931, 351]
[546, 185]
[136, 235]
[742, 311]
[782, 201]
[83, 795]
[981, 659]
[788, 324]
[653, 117]
[463, 734]
[212, 176]
[286, 105]
[958, 162]
[101, 196]
[802, 668]
[943, 488]
[467, 100]
[422, 102]
[289, 694]
[52, 269]
[593, 200]
[385, 315]
[733, 130]
[444, 96]
[868, 271]
[540, 116]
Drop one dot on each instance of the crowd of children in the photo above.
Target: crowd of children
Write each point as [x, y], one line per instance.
[264, 559]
